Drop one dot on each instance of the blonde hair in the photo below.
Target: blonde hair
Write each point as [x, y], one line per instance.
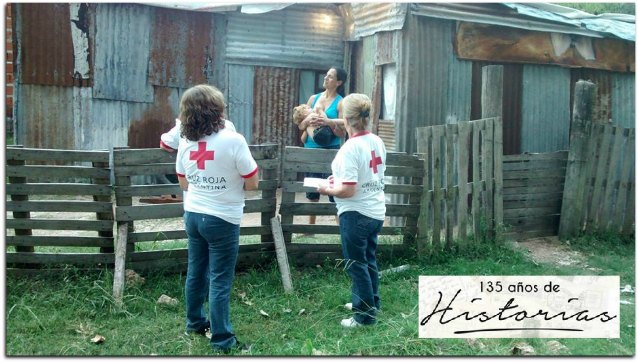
[300, 112]
[201, 111]
[356, 110]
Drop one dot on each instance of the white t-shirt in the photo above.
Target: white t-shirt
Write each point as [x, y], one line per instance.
[215, 168]
[171, 138]
[361, 162]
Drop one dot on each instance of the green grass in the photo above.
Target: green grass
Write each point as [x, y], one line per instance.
[57, 315]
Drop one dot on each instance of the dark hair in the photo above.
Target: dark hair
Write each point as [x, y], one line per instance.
[201, 111]
[342, 75]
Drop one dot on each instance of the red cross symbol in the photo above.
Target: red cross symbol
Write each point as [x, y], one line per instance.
[375, 161]
[201, 155]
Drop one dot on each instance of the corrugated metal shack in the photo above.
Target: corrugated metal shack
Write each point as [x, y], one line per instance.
[102, 75]
[423, 62]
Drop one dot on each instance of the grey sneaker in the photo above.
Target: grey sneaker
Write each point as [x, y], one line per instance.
[350, 323]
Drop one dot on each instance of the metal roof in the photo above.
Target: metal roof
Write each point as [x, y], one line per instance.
[539, 17]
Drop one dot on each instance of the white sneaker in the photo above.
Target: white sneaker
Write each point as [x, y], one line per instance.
[348, 306]
[350, 323]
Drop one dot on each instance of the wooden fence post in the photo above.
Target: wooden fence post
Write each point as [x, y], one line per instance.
[576, 177]
[21, 215]
[104, 215]
[492, 107]
[282, 256]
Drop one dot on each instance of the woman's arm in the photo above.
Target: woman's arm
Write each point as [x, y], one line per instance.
[310, 117]
[252, 183]
[183, 184]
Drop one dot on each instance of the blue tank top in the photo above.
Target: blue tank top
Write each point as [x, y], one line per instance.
[331, 112]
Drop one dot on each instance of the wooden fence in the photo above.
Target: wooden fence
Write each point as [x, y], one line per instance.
[46, 222]
[129, 163]
[605, 182]
[298, 161]
[463, 176]
[533, 193]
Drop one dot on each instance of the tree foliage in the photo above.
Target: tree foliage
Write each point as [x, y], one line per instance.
[601, 8]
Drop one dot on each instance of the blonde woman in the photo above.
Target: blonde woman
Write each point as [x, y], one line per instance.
[357, 186]
[215, 166]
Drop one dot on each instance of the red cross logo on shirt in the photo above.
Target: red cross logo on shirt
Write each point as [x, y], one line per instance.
[201, 155]
[374, 162]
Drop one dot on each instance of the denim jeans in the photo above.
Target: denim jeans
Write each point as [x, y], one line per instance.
[359, 235]
[212, 253]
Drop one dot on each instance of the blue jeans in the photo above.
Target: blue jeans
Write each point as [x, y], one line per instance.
[359, 236]
[213, 245]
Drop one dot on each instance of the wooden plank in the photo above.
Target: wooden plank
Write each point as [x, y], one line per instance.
[489, 174]
[132, 156]
[56, 171]
[531, 182]
[534, 222]
[546, 174]
[401, 171]
[450, 164]
[609, 201]
[535, 196]
[120, 263]
[74, 241]
[424, 147]
[462, 170]
[476, 185]
[531, 190]
[58, 189]
[306, 167]
[268, 164]
[20, 215]
[59, 258]
[601, 176]
[403, 159]
[323, 208]
[553, 203]
[108, 213]
[282, 256]
[625, 182]
[165, 211]
[334, 229]
[287, 215]
[268, 187]
[535, 165]
[60, 206]
[147, 190]
[136, 237]
[530, 212]
[51, 224]
[43, 154]
[142, 170]
[411, 221]
[558, 155]
[529, 234]
[437, 134]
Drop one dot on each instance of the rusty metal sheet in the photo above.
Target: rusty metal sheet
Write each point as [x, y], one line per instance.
[144, 130]
[46, 46]
[275, 95]
[46, 116]
[182, 49]
[386, 47]
[502, 44]
[241, 80]
[603, 81]
[122, 47]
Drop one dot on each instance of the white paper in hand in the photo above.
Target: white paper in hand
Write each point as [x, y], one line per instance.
[314, 182]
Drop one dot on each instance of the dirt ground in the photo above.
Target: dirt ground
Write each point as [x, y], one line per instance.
[550, 250]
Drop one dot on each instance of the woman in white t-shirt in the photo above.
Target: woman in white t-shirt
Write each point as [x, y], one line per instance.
[357, 186]
[215, 166]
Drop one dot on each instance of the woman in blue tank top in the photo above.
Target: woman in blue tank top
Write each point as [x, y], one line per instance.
[330, 101]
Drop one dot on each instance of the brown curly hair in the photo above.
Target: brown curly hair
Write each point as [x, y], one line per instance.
[201, 111]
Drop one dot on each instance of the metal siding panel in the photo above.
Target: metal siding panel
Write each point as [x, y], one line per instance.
[107, 118]
[545, 116]
[294, 37]
[240, 98]
[82, 105]
[46, 115]
[370, 18]
[181, 48]
[603, 81]
[47, 46]
[145, 129]
[122, 46]
[306, 85]
[623, 99]
[275, 93]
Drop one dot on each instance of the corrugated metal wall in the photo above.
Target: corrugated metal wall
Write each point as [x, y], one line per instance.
[370, 18]
[46, 114]
[146, 128]
[182, 48]
[46, 44]
[546, 111]
[241, 79]
[298, 36]
[275, 90]
[435, 87]
[623, 100]
[122, 38]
